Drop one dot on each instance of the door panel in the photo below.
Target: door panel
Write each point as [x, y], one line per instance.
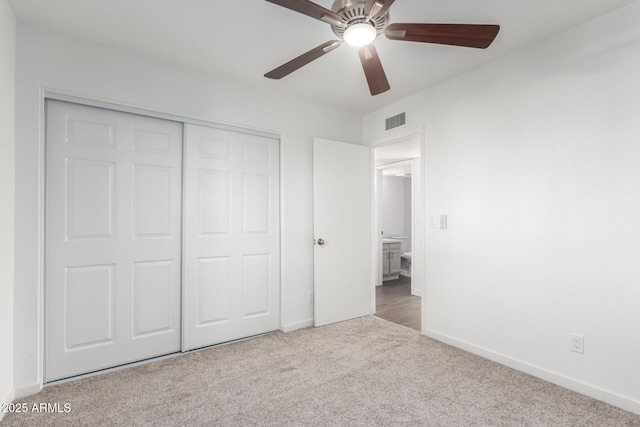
[395, 255]
[90, 204]
[212, 297]
[151, 297]
[89, 306]
[342, 218]
[113, 238]
[232, 235]
[152, 201]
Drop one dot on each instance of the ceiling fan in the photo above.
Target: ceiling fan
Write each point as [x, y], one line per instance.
[359, 22]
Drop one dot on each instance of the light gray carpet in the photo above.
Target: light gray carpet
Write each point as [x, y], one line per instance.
[362, 372]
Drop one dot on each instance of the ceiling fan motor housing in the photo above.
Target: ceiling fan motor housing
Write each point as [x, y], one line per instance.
[352, 12]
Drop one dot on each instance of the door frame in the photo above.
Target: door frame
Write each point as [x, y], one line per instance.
[90, 101]
[418, 214]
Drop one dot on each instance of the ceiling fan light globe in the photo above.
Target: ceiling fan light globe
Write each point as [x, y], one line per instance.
[360, 34]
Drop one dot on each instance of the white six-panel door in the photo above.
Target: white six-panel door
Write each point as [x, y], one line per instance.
[231, 236]
[113, 238]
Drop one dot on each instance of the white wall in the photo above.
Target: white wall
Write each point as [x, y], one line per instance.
[47, 60]
[536, 160]
[7, 146]
[393, 206]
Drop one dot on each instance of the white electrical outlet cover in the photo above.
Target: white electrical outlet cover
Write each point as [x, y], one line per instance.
[576, 343]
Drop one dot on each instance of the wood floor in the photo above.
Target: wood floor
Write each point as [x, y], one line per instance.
[395, 303]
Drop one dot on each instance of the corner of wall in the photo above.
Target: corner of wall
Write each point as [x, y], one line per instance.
[7, 195]
[9, 398]
[289, 327]
[27, 390]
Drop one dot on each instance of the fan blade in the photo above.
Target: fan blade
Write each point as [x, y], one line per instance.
[311, 9]
[302, 60]
[375, 8]
[373, 70]
[469, 35]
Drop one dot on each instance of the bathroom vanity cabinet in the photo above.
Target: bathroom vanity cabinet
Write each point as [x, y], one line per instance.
[391, 259]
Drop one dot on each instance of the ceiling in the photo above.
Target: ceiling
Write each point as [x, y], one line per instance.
[402, 170]
[243, 39]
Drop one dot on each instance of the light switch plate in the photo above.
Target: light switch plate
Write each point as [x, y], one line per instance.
[443, 222]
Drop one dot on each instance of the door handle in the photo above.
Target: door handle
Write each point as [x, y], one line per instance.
[321, 242]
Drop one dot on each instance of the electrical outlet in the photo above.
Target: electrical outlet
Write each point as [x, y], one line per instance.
[576, 343]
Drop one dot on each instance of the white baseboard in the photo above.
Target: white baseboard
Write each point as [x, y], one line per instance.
[598, 393]
[27, 390]
[297, 325]
[8, 399]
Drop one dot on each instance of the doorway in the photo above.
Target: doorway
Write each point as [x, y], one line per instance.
[398, 209]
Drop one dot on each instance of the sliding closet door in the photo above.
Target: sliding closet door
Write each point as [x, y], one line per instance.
[113, 238]
[231, 235]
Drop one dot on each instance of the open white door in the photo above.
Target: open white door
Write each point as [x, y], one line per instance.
[342, 230]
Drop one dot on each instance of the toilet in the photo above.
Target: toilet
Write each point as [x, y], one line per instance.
[405, 264]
